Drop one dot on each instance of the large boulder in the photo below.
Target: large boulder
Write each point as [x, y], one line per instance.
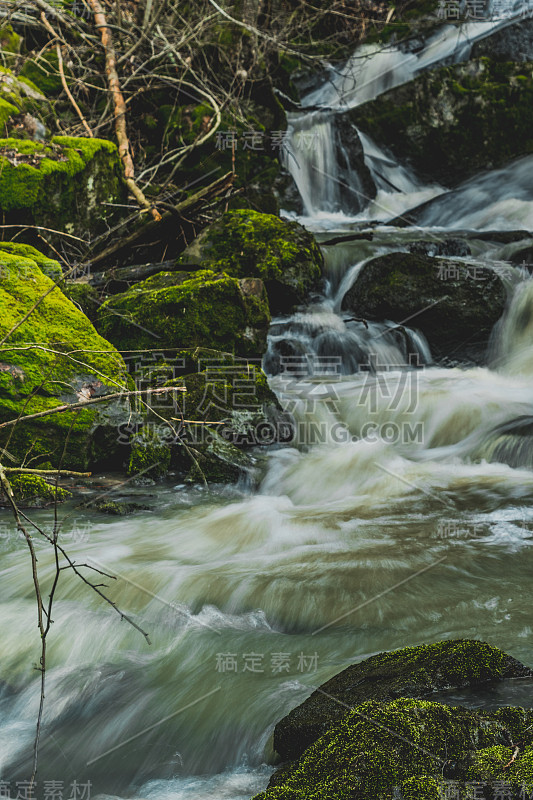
[412, 672]
[452, 122]
[62, 184]
[245, 243]
[222, 407]
[455, 304]
[54, 356]
[414, 750]
[173, 310]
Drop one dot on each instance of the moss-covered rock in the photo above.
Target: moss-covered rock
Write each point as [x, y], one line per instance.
[18, 95]
[452, 122]
[149, 456]
[454, 303]
[411, 672]
[116, 508]
[54, 356]
[33, 491]
[245, 243]
[84, 296]
[10, 42]
[218, 461]
[44, 73]
[174, 310]
[49, 266]
[18, 89]
[62, 184]
[222, 407]
[404, 748]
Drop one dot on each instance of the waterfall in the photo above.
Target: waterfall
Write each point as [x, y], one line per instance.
[312, 142]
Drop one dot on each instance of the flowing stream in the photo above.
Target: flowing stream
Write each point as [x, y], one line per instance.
[403, 516]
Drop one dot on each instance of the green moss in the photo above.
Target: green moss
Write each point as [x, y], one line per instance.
[379, 747]
[246, 243]
[49, 266]
[46, 361]
[9, 40]
[61, 184]
[412, 671]
[421, 787]
[84, 296]
[502, 763]
[116, 508]
[6, 112]
[36, 490]
[149, 456]
[175, 310]
[44, 74]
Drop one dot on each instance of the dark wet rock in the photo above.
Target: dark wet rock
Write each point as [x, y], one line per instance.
[513, 43]
[356, 185]
[504, 237]
[219, 461]
[415, 672]
[523, 257]
[117, 508]
[454, 303]
[452, 122]
[441, 247]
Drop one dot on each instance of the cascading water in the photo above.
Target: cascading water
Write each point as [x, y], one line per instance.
[313, 140]
[252, 601]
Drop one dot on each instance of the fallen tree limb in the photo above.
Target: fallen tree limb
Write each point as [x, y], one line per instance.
[120, 109]
[135, 273]
[187, 206]
[86, 403]
[63, 472]
[350, 238]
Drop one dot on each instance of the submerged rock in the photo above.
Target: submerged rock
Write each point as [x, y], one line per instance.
[411, 672]
[454, 303]
[245, 243]
[53, 357]
[174, 310]
[452, 122]
[441, 247]
[117, 508]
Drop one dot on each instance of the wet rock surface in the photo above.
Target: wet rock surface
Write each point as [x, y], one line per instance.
[413, 672]
[454, 303]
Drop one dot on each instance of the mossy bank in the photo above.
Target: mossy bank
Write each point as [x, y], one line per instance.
[53, 356]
